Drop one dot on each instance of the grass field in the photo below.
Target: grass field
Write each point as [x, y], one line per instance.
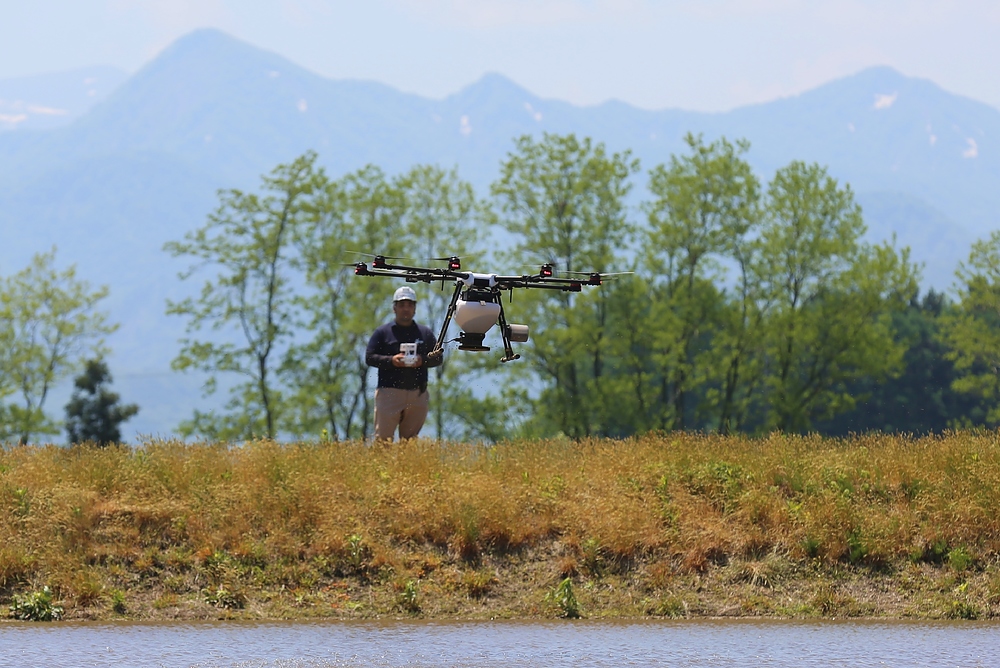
[663, 525]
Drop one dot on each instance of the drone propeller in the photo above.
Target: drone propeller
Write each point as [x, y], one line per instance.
[602, 274]
[552, 265]
[378, 261]
[377, 255]
[598, 277]
[529, 257]
[454, 262]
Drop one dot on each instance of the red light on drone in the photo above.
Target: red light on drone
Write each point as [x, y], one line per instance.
[379, 262]
[546, 270]
[454, 263]
[360, 269]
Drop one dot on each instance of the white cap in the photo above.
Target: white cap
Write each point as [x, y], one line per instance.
[404, 293]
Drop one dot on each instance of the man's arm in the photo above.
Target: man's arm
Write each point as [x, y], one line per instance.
[374, 355]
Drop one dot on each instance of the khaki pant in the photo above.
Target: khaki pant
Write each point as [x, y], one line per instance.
[406, 409]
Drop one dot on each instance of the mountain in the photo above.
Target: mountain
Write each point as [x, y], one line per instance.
[52, 100]
[117, 179]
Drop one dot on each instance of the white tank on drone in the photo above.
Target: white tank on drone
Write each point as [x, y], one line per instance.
[476, 317]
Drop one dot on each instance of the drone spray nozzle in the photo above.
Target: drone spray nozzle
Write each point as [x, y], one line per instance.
[472, 341]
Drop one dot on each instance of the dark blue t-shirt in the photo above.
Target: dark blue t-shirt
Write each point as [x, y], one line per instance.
[385, 343]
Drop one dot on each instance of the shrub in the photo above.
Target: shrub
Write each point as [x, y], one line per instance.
[36, 607]
[565, 599]
[960, 559]
[222, 597]
[407, 599]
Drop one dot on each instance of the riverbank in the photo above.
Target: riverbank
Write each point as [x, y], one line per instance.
[672, 525]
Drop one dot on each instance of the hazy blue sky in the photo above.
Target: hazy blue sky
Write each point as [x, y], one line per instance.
[697, 54]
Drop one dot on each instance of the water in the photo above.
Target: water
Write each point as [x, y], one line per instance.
[549, 644]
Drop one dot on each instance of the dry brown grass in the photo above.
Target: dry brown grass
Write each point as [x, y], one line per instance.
[280, 529]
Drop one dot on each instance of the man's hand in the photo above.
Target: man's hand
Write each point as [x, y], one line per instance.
[399, 360]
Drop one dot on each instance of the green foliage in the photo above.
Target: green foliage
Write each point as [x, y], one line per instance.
[225, 597]
[444, 218]
[118, 605]
[246, 245]
[49, 322]
[754, 307]
[593, 559]
[478, 584]
[962, 610]
[284, 312]
[357, 552]
[704, 211]
[325, 371]
[669, 606]
[921, 399]
[408, 597]
[972, 330]
[564, 200]
[93, 414]
[36, 607]
[960, 559]
[830, 297]
[565, 599]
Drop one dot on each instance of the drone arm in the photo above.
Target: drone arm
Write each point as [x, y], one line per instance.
[409, 274]
[551, 284]
[438, 351]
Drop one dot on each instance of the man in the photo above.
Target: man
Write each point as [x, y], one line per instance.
[401, 398]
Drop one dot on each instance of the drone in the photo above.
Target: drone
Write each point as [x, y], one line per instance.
[476, 304]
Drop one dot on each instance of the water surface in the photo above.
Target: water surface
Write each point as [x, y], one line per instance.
[556, 644]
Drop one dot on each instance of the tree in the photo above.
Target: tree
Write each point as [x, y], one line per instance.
[330, 379]
[49, 322]
[922, 399]
[248, 299]
[564, 199]
[444, 219]
[704, 210]
[972, 331]
[831, 297]
[93, 414]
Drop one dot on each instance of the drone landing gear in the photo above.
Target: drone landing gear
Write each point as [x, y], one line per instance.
[439, 344]
[509, 354]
